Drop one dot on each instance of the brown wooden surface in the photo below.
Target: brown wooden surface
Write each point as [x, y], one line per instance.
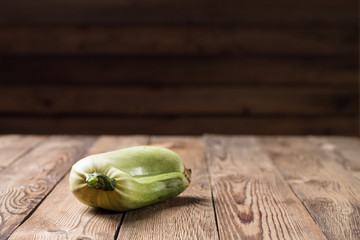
[244, 187]
[279, 12]
[189, 216]
[346, 152]
[25, 183]
[186, 100]
[70, 218]
[78, 64]
[191, 125]
[176, 40]
[106, 61]
[162, 71]
[13, 147]
[251, 198]
[328, 190]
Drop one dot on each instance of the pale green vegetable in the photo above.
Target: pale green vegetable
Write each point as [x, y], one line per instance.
[129, 178]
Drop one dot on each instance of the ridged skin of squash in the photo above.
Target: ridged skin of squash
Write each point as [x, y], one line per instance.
[144, 175]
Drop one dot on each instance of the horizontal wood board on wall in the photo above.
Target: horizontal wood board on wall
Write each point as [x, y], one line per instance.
[280, 12]
[179, 40]
[193, 71]
[251, 101]
[181, 125]
[185, 67]
[186, 110]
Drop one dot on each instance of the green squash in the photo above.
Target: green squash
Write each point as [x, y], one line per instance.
[129, 178]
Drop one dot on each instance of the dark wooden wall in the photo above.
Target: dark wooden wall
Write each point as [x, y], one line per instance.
[179, 67]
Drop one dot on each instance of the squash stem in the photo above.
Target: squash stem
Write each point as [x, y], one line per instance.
[100, 181]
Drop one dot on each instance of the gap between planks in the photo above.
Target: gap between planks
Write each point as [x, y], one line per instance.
[222, 155]
[319, 178]
[188, 216]
[71, 219]
[40, 169]
[188, 204]
[252, 199]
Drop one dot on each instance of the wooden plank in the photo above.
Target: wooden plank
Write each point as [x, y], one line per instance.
[280, 12]
[72, 219]
[328, 191]
[346, 151]
[252, 200]
[337, 125]
[188, 216]
[27, 181]
[178, 40]
[13, 147]
[285, 101]
[191, 71]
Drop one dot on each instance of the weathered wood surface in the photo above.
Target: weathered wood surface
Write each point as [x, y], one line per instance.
[27, 181]
[189, 216]
[346, 151]
[248, 191]
[71, 219]
[328, 190]
[243, 187]
[12, 147]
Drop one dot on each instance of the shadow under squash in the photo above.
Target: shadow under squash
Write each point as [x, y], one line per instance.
[151, 210]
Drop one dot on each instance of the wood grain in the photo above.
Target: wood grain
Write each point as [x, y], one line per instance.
[191, 71]
[188, 216]
[262, 188]
[13, 147]
[251, 198]
[157, 101]
[345, 150]
[28, 180]
[336, 125]
[329, 192]
[177, 40]
[280, 12]
[71, 219]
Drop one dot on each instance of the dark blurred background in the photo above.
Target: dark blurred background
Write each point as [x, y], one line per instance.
[179, 67]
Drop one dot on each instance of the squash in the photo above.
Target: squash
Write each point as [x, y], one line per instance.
[129, 178]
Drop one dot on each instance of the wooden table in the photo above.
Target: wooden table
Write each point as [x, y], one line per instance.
[243, 187]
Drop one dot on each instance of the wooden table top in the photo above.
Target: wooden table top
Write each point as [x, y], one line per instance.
[243, 187]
